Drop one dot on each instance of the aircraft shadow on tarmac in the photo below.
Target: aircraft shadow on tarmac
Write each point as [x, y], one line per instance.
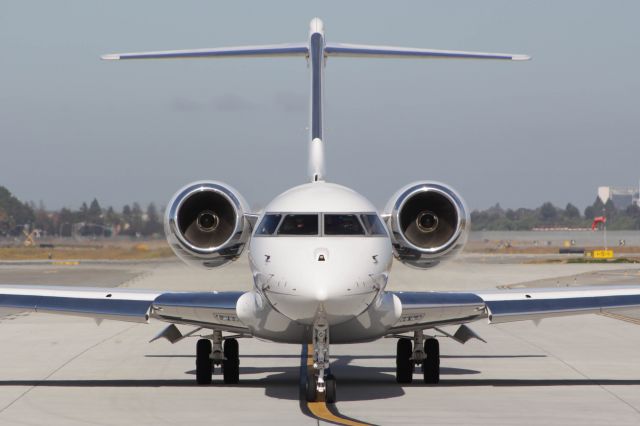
[356, 382]
[337, 357]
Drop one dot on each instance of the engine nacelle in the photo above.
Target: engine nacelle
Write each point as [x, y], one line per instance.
[205, 224]
[429, 223]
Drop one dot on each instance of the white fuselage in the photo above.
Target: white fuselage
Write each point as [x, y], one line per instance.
[305, 276]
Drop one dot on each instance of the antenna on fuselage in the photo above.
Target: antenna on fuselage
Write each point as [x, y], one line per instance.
[316, 50]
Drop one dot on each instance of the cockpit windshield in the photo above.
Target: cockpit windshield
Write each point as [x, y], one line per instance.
[373, 224]
[299, 224]
[333, 224]
[342, 224]
[269, 224]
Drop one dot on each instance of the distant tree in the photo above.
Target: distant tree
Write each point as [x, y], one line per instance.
[548, 212]
[153, 224]
[84, 212]
[136, 219]
[111, 217]
[65, 221]
[94, 214]
[43, 220]
[594, 210]
[610, 209]
[12, 211]
[571, 211]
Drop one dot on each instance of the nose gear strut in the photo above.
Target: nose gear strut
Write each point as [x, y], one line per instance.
[318, 382]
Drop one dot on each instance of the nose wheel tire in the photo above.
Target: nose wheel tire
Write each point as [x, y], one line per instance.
[404, 363]
[431, 364]
[330, 389]
[204, 365]
[231, 362]
[310, 390]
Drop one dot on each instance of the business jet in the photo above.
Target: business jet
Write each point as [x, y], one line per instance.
[320, 254]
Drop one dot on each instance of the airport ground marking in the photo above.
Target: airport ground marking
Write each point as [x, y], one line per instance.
[319, 408]
[66, 263]
[619, 317]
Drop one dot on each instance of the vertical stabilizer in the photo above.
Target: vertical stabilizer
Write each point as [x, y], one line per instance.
[316, 64]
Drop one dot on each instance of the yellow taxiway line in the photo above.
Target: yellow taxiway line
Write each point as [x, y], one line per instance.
[621, 317]
[319, 408]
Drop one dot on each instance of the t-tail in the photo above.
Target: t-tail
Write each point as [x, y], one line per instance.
[316, 50]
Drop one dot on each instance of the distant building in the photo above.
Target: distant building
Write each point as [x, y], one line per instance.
[622, 197]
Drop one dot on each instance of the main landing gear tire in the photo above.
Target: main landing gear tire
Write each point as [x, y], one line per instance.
[404, 363]
[310, 390]
[204, 365]
[330, 389]
[231, 362]
[431, 364]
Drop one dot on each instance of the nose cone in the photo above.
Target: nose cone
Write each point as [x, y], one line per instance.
[321, 294]
[339, 277]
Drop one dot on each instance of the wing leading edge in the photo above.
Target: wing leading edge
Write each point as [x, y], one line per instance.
[421, 310]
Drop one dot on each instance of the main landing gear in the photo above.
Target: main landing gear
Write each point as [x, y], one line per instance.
[212, 352]
[418, 351]
[317, 381]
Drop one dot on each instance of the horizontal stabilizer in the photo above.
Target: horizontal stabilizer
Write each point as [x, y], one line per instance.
[287, 49]
[355, 50]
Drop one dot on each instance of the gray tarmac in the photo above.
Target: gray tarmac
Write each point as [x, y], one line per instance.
[59, 370]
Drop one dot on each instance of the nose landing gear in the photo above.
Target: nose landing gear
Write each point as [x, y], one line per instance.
[420, 351]
[317, 382]
[211, 352]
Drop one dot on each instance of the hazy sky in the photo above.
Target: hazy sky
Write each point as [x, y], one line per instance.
[73, 127]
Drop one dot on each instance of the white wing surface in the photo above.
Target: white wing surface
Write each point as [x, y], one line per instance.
[216, 310]
[422, 310]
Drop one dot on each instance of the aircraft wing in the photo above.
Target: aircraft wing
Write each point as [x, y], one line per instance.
[422, 310]
[215, 310]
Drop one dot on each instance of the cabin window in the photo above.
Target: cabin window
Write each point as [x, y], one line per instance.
[268, 224]
[373, 224]
[299, 224]
[342, 224]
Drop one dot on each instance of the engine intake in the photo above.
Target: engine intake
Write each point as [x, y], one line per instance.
[429, 223]
[205, 224]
